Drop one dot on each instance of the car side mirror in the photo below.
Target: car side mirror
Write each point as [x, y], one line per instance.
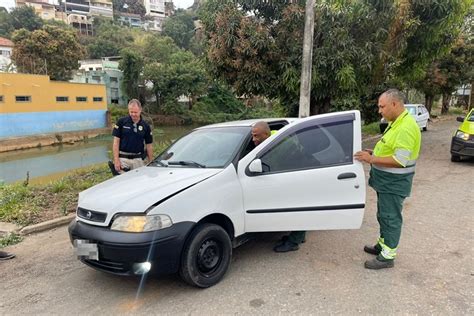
[256, 166]
[460, 119]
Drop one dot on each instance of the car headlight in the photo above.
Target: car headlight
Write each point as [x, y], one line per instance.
[462, 135]
[141, 223]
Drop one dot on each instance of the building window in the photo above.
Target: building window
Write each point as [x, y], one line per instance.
[62, 99]
[96, 78]
[81, 99]
[113, 79]
[1, 98]
[98, 99]
[23, 98]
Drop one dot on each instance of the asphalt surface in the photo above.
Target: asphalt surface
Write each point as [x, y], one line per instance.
[433, 273]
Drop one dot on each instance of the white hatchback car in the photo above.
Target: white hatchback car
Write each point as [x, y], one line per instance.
[204, 195]
[419, 113]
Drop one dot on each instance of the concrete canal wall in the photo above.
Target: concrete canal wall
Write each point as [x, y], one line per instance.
[33, 104]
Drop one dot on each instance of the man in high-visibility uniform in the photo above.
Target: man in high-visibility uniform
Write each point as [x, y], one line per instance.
[391, 175]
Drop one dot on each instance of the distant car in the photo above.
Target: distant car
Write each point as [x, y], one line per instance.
[210, 189]
[462, 144]
[419, 113]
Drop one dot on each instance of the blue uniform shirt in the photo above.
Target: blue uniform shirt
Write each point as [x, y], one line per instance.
[132, 136]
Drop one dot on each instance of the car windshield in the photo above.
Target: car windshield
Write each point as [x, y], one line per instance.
[470, 117]
[204, 148]
[411, 110]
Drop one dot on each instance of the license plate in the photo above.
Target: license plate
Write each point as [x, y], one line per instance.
[86, 249]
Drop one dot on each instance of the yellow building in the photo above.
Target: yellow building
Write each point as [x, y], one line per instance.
[33, 104]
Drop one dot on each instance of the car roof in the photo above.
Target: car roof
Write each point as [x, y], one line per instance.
[249, 123]
[414, 104]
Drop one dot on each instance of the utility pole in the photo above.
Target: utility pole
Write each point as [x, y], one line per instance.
[305, 88]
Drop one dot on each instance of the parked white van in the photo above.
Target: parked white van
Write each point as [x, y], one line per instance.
[185, 211]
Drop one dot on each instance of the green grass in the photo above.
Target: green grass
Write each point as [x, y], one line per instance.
[10, 239]
[371, 129]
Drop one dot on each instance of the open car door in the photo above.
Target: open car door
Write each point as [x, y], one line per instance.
[305, 178]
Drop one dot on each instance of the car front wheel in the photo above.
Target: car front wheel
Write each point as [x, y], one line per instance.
[206, 256]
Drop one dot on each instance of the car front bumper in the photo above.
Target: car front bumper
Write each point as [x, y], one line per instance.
[119, 251]
[462, 147]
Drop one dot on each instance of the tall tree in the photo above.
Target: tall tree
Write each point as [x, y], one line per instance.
[109, 39]
[132, 65]
[50, 50]
[180, 27]
[359, 46]
[181, 74]
[25, 17]
[6, 26]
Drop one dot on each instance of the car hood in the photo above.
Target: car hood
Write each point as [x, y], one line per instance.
[467, 127]
[137, 190]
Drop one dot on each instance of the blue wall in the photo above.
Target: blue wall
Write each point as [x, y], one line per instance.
[33, 123]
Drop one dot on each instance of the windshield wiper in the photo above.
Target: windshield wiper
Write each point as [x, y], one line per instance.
[186, 163]
[159, 162]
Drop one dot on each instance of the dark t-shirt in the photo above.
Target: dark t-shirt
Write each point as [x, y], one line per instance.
[132, 136]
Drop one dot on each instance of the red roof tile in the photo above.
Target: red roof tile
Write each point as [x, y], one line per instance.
[5, 42]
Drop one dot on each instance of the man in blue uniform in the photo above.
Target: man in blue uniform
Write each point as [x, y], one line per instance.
[132, 139]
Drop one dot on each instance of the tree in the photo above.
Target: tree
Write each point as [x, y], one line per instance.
[129, 6]
[6, 26]
[181, 74]
[360, 47]
[109, 39]
[131, 64]
[25, 17]
[50, 50]
[180, 27]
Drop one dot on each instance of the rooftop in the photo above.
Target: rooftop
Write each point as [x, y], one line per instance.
[5, 42]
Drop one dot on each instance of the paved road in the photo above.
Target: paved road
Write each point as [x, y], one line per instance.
[433, 274]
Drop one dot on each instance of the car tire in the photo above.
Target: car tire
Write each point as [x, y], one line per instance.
[426, 127]
[206, 256]
[455, 158]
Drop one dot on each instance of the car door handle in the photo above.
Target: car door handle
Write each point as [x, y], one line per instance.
[347, 175]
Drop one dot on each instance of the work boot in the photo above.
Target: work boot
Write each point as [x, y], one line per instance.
[379, 263]
[6, 256]
[373, 250]
[286, 246]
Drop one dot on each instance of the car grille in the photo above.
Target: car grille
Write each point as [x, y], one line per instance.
[92, 216]
[109, 266]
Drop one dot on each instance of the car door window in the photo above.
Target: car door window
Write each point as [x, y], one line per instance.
[313, 147]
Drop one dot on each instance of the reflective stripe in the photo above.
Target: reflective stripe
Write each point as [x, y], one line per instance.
[402, 156]
[387, 252]
[405, 170]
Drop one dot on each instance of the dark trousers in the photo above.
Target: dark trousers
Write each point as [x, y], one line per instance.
[297, 237]
[389, 216]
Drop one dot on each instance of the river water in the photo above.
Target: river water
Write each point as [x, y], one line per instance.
[52, 162]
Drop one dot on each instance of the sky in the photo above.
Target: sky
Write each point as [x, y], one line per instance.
[178, 3]
[184, 4]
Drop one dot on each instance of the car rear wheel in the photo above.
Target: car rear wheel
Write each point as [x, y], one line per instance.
[426, 127]
[455, 158]
[206, 256]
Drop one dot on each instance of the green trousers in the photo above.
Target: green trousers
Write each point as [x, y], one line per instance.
[389, 216]
[297, 237]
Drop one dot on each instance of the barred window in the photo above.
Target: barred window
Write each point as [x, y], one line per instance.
[97, 99]
[23, 98]
[81, 99]
[62, 99]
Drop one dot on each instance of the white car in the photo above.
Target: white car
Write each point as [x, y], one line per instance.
[419, 113]
[204, 195]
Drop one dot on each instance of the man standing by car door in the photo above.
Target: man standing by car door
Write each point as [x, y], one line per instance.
[132, 136]
[391, 175]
